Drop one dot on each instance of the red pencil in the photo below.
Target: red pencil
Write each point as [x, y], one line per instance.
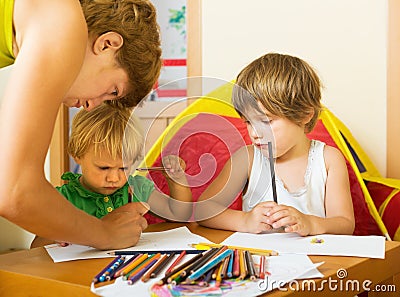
[262, 267]
[176, 261]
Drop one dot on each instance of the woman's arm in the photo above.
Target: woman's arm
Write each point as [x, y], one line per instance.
[51, 38]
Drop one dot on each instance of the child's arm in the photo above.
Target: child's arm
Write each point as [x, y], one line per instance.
[338, 204]
[213, 210]
[180, 207]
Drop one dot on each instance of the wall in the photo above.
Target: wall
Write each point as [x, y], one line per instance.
[344, 40]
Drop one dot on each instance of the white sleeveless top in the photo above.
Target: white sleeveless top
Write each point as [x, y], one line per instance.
[309, 199]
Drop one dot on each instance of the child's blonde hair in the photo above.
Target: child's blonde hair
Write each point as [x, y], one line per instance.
[285, 85]
[140, 54]
[107, 128]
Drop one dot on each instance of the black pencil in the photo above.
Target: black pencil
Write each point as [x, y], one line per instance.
[157, 271]
[272, 169]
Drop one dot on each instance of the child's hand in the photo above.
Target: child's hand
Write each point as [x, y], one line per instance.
[256, 220]
[289, 218]
[176, 168]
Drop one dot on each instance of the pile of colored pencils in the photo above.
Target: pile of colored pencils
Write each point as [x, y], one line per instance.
[218, 263]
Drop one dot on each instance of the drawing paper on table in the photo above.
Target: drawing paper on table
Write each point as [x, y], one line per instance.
[174, 239]
[324, 244]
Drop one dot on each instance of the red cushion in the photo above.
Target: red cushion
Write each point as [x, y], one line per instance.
[205, 143]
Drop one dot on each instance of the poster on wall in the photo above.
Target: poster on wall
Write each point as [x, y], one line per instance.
[171, 16]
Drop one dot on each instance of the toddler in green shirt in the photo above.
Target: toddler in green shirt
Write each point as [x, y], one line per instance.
[107, 142]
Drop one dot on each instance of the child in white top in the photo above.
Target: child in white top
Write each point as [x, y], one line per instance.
[279, 96]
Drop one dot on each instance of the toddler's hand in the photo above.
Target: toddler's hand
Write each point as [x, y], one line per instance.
[176, 168]
[255, 221]
[290, 218]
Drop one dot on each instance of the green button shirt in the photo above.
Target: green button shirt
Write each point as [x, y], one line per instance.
[99, 205]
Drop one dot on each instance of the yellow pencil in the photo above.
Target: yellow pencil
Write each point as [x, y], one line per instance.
[205, 245]
[243, 265]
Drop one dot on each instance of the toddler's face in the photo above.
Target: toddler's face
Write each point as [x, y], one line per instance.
[264, 127]
[101, 173]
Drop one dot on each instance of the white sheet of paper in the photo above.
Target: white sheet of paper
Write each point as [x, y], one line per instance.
[332, 245]
[174, 239]
[283, 268]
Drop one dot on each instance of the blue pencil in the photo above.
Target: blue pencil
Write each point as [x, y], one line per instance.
[96, 278]
[212, 263]
[230, 267]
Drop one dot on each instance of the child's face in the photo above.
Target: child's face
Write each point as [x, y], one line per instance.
[264, 127]
[101, 173]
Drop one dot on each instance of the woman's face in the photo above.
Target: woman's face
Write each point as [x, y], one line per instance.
[91, 89]
[101, 78]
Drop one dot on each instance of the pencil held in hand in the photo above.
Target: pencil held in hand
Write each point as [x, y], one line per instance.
[156, 168]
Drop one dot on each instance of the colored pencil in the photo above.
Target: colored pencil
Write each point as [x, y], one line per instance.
[262, 267]
[218, 279]
[243, 266]
[114, 268]
[147, 275]
[225, 267]
[181, 269]
[229, 271]
[138, 268]
[250, 266]
[251, 250]
[272, 170]
[162, 265]
[216, 270]
[212, 263]
[181, 255]
[155, 168]
[122, 267]
[132, 279]
[96, 278]
[126, 253]
[133, 264]
[236, 263]
[200, 262]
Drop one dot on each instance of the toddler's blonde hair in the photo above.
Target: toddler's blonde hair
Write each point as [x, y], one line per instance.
[285, 85]
[107, 128]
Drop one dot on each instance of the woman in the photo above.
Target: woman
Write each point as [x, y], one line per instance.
[78, 54]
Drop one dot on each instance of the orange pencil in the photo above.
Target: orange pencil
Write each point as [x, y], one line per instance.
[236, 263]
[139, 268]
[134, 264]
